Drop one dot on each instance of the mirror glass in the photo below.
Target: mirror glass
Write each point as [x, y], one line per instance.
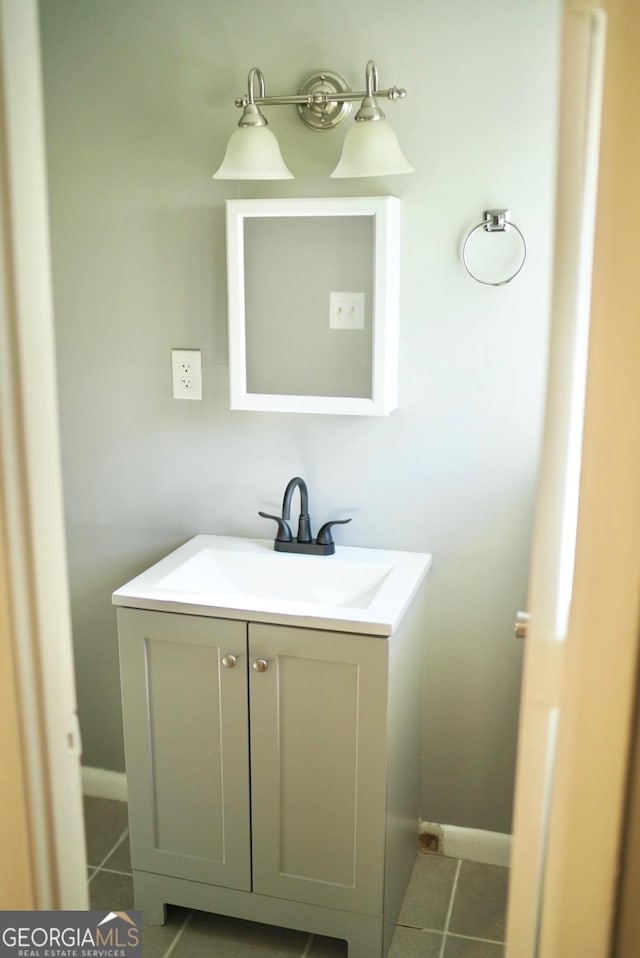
[313, 296]
[296, 342]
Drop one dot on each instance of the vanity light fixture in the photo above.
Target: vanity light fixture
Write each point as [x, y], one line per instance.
[324, 100]
[253, 152]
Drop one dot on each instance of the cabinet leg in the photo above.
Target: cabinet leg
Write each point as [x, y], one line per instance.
[155, 914]
[154, 911]
[364, 942]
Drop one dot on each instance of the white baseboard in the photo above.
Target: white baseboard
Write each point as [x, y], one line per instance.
[472, 844]
[101, 783]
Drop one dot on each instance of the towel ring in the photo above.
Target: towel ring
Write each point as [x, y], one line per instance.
[494, 221]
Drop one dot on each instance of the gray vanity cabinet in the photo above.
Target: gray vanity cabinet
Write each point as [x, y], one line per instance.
[317, 766]
[186, 728]
[258, 762]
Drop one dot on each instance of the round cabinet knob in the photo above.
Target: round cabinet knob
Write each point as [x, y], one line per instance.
[229, 661]
[261, 665]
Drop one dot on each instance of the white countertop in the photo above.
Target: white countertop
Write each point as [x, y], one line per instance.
[356, 590]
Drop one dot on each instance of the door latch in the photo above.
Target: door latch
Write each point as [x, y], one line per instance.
[521, 624]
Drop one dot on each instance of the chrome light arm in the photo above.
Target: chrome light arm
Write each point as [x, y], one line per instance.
[324, 98]
[309, 99]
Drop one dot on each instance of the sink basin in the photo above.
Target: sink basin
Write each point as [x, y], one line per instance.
[367, 590]
[285, 577]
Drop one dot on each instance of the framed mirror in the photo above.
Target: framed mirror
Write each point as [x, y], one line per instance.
[313, 304]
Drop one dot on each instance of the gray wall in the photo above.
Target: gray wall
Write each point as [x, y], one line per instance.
[139, 104]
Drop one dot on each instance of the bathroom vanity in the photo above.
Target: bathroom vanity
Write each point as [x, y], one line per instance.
[273, 733]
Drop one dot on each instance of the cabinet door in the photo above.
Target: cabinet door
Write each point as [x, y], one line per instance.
[186, 742]
[318, 745]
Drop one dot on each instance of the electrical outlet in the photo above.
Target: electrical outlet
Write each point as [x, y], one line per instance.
[186, 373]
[346, 310]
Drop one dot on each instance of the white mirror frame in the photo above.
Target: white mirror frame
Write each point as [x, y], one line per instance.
[385, 211]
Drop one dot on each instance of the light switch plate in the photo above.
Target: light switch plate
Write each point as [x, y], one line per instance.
[346, 310]
[186, 373]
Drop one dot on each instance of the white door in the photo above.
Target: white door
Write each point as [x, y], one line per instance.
[30, 482]
[553, 553]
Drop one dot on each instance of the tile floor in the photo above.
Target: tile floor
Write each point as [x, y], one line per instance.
[453, 909]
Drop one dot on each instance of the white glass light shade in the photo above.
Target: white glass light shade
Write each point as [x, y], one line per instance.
[371, 148]
[253, 154]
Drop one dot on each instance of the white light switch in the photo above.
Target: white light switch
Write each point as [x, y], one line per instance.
[346, 310]
[186, 373]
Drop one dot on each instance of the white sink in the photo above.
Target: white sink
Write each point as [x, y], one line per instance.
[266, 575]
[366, 590]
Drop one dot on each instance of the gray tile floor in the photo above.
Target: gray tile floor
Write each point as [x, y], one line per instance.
[453, 908]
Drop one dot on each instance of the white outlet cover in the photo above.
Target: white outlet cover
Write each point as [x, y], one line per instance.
[346, 310]
[186, 373]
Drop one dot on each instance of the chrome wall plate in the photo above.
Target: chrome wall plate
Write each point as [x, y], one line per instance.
[327, 109]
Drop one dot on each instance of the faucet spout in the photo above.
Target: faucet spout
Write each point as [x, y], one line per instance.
[304, 527]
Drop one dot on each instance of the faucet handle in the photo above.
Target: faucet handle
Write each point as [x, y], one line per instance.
[324, 535]
[284, 532]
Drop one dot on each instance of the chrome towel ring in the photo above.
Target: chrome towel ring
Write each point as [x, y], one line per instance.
[494, 221]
